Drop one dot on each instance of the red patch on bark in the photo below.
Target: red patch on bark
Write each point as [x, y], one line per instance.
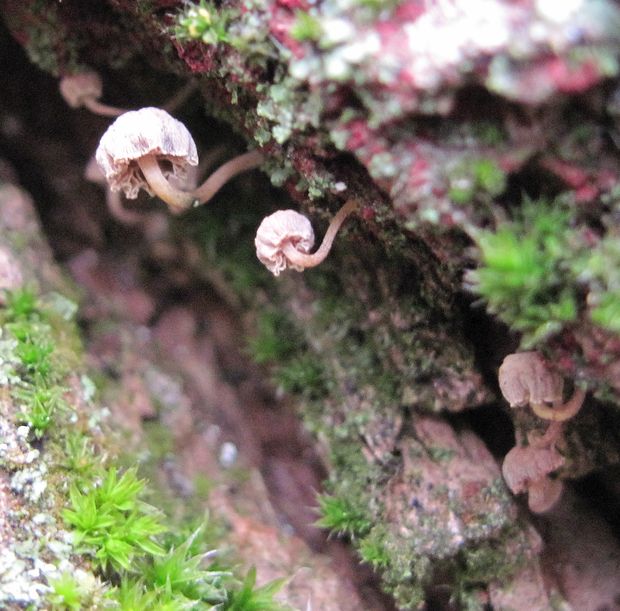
[573, 79]
[198, 56]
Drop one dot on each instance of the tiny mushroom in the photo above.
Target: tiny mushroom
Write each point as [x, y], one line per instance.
[84, 89]
[525, 378]
[285, 238]
[527, 469]
[143, 147]
[93, 174]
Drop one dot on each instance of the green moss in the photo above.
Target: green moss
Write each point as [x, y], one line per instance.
[606, 312]
[276, 338]
[374, 553]
[47, 44]
[20, 305]
[306, 27]
[599, 269]
[109, 518]
[340, 517]
[475, 178]
[67, 594]
[490, 177]
[225, 232]
[204, 22]
[302, 375]
[78, 455]
[524, 275]
[38, 368]
[39, 404]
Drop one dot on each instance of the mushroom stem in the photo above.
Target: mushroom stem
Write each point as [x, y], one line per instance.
[224, 173]
[311, 260]
[562, 412]
[180, 200]
[99, 108]
[177, 200]
[118, 211]
[180, 97]
[548, 438]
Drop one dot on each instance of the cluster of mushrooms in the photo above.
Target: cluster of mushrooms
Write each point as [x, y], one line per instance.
[149, 149]
[525, 378]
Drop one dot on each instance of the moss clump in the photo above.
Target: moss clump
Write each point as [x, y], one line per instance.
[303, 375]
[600, 268]
[38, 370]
[203, 22]
[122, 552]
[306, 27]
[476, 179]
[525, 271]
[340, 517]
[276, 338]
[110, 519]
[544, 271]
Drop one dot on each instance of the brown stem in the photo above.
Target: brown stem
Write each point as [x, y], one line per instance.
[311, 260]
[178, 200]
[548, 438]
[180, 97]
[119, 212]
[224, 173]
[102, 109]
[562, 412]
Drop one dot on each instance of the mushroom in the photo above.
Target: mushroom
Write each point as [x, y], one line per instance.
[93, 174]
[143, 147]
[85, 89]
[284, 239]
[527, 469]
[525, 378]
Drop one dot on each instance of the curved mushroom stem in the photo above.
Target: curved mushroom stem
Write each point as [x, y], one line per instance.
[224, 173]
[543, 494]
[180, 200]
[548, 438]
[562, 412]
[99, 108]
[311, 260]
[180, 97]
[118, 211]
[177, 200]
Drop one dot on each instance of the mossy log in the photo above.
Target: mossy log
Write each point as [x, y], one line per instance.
[480, 140]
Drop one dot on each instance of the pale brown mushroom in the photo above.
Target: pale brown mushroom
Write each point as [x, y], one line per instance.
[284, 239]
[94, 174]
[143, 147]
[527, 469]
[543, 494]
[85, 89]
[525, 379]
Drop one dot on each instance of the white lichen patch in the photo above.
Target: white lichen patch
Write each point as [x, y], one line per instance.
[8, 360]
[19, 582]
[30, 482]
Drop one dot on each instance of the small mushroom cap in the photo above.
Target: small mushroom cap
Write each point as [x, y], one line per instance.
[525, 465]
[75, 87]
[525, 378]
[544, 494]
[138, 133]
[276, 230]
